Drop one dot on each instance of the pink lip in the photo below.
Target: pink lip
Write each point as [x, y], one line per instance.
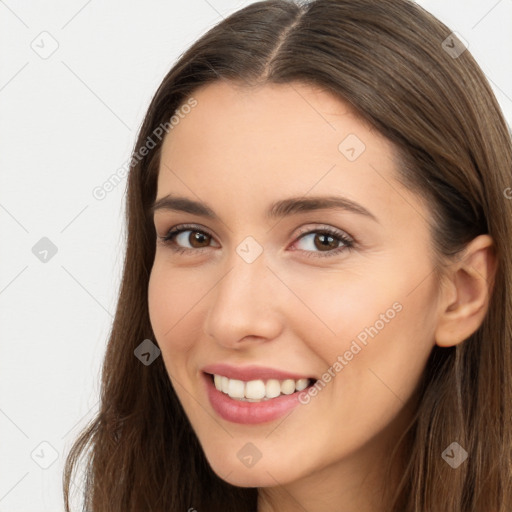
[248, 413]
[253, 372]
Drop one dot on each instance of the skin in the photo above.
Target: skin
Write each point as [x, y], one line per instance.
[239, 150]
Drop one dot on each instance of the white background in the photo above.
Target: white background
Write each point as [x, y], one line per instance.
[67, 123]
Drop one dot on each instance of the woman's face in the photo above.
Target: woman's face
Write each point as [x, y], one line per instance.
[341, 293]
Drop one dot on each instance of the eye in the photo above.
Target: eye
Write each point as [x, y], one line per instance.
[316, 243]
[324, 242]
[185, 238]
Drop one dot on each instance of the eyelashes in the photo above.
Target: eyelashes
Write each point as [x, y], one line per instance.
[174, 233]
[324, 235]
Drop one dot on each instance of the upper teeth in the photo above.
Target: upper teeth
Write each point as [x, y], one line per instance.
[257, 389]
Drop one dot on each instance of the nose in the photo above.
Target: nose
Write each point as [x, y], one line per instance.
[246, 305]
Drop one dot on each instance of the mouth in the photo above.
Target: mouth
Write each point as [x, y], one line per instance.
[253, 394]
[258, 390]
[244, 407]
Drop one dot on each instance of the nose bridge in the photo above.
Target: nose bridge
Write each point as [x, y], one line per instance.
[245, 302]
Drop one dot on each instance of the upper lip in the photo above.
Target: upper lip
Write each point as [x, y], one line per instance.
[252, 372]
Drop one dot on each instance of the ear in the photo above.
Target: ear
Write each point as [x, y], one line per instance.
[465, 292]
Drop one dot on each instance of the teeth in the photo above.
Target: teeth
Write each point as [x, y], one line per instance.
[224, 384]
[235, 388]
[257, 390]
[272, 388]
[254, 389]
[288, 387]
[301, 384]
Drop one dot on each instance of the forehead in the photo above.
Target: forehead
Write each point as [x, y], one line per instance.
[250, 146]
[280, 115]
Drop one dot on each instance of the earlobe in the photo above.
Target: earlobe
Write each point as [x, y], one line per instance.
[465, 298]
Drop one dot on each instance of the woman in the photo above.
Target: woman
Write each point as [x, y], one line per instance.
[315, 311]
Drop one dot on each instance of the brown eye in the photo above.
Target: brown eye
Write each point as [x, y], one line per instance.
[187, 238]
[324, 242]
[328, 242]
[199, 239]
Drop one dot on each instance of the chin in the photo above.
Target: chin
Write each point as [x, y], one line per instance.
[241, 476]
[249, 479]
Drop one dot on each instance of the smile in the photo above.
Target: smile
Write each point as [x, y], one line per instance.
[255, 401]
[258, 390]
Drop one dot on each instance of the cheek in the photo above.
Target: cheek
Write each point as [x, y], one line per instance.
[384, 337]
[338, 307]
[170, 298]
[382, 321]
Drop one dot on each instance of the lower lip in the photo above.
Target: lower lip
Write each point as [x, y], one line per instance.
[249, 413]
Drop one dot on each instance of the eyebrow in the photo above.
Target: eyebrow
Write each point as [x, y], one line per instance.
[279, 209]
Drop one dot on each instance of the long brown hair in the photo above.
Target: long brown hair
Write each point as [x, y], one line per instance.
[388, 60]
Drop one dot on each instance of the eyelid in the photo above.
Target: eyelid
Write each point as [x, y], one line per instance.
[323, 228]
[348, 242]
